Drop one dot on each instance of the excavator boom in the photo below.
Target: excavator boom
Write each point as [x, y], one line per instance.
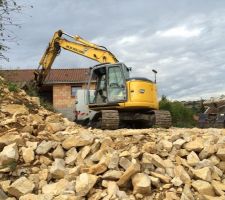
[78, 46]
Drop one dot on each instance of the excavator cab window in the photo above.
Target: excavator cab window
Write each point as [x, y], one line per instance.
[116, 84]
[109, 84]
[100, 86]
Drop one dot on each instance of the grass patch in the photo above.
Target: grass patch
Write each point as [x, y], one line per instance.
[12, 87]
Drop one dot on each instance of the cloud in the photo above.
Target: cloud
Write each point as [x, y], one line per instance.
[180, 31]
[182, 40]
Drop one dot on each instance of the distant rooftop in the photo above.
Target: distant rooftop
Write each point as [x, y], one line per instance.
[75, 75]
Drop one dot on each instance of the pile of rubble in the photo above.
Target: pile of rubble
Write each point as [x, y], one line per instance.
[43, 156]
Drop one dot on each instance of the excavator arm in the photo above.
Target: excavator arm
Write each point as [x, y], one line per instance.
[78, 46]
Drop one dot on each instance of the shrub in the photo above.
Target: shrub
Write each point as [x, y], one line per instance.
[181, 115]
[12, 87]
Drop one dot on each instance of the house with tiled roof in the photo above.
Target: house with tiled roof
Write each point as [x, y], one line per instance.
[59, 88]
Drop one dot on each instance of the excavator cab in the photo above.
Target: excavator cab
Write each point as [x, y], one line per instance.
[109, 83]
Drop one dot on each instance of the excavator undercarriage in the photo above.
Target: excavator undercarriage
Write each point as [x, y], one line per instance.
[113, 119]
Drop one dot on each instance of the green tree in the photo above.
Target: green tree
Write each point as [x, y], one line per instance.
[181, 115]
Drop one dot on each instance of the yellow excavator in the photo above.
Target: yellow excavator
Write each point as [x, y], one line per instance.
[119, 100]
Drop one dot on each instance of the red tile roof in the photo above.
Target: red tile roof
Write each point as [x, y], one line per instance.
[76, 75]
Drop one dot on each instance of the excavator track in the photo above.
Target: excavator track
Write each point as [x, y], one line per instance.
[162, 119]
[110, 119]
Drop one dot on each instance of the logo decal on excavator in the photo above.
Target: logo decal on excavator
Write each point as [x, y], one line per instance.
[142, 91]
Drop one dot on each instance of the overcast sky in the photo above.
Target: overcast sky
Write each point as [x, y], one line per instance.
[184, 40]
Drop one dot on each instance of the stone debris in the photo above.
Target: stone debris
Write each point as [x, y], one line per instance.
[21, 187]
[141, 183]
[44, 156]
[84, 183]
[203, 187]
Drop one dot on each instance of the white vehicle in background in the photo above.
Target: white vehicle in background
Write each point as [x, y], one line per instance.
[83, 114]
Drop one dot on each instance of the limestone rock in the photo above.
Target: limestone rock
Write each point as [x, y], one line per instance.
[5, 185]
[7, 139]
[36, 197]
[155, 181]
[131, 170]
[149, 147]
[167, 145]
[55, 127]
[193, 159]
[157, 161]
[21, 187]
[187, 194]
[71, 156]
[97, 169]
[3, 196]
[176, 181]
[112, 175]
[84, 183]
[80, 140]
[180, 172]
[43, 174]
[32, 145]
[58, 168]
[124, 163]
[44, 147]
[207, 151]
[195, 145]
[178, 143]
[203, 173]
[163, 178]
[58, 152]
[14, 108]
[9, 155]
[28, 154]
[114, 161]
[58, 188]
[203, 187]
[221, 153]
[112, 189]
[141, 183]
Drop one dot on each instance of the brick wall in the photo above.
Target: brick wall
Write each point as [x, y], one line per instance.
[63, 102]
